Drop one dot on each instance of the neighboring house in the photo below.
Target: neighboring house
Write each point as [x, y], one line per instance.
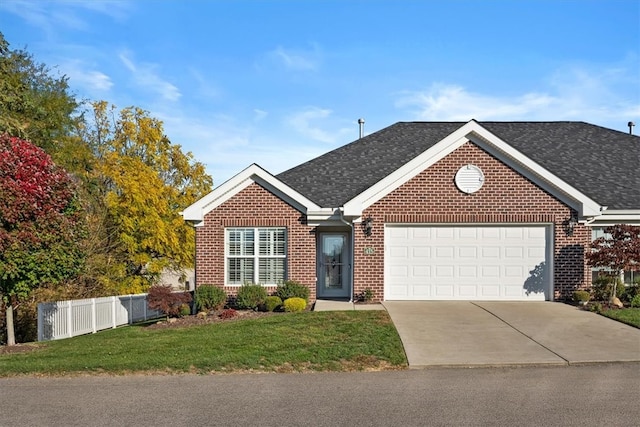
[179, 280]
[426, 211]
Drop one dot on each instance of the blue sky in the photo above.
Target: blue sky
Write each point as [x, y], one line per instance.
[280, 82]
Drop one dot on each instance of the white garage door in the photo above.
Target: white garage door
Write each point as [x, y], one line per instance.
[467, 263]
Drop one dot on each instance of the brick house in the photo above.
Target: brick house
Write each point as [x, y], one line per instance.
[426, 211]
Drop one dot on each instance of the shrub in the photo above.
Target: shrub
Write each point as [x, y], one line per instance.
[209, 297]
[251, 296]
[291, 289]
[163, 299]
[631, 292]
[228, 313]
[581, 296]
[635, 302]
[603, 287]
[366, 295]
[294, 304]
[185, 310]
[272, 303]
[596, 307]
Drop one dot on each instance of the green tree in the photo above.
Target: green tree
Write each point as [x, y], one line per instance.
[145, 182]
[40, 224]
[35, 104]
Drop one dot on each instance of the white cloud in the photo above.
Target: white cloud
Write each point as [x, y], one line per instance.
[227, 145]
[145, 76]
[303, 122]
[92, 82]
[259, 114]
[607, 97]
[51, 16]
[296, 59]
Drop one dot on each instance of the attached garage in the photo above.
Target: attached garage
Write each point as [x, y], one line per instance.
[468, 262]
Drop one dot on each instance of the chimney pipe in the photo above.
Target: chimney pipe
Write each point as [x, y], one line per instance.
[361, 125]
[631, 125]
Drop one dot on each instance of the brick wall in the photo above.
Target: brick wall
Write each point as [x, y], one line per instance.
[506, 197]
[255, 207]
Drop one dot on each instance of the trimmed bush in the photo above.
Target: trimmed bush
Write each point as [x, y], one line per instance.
[185, 310]
[294, 304]
[164, 299]
[581, 296]
[251, 296]
[209, 297]
[271, 303]
[291, 289]
[635, 302]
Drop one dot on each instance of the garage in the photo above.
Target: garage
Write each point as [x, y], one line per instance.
[468, 263]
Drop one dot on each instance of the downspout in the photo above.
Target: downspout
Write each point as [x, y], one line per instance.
[351, 254]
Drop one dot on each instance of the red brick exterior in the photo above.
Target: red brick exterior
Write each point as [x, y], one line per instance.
[429, 198]
[255, 207]
[506, 198]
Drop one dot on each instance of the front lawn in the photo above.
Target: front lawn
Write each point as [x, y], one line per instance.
[310, 341]
[630, 316]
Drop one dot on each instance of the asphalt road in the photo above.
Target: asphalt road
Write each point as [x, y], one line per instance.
[593, 395]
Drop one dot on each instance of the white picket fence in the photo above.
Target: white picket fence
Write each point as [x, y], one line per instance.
[66, 319]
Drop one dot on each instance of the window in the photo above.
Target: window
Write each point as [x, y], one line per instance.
[256, 255]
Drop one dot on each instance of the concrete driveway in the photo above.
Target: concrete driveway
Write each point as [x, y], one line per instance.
[447, 333]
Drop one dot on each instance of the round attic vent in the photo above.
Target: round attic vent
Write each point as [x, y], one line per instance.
[469, 179]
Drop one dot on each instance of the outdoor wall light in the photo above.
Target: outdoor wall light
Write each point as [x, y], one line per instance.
[570, 224]
[367, 226]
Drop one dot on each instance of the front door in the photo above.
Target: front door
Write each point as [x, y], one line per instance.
[334, 266]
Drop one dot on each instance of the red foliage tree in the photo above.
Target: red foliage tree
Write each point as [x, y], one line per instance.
[40, 224]
[618, 250]
[164, 299]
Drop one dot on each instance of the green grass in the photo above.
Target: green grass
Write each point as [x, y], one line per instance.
[630, 316]
[314, 341]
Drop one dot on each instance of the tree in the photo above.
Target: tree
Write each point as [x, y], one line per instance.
[40, 224]
[617, 251]
[34, 104]
[146, 181]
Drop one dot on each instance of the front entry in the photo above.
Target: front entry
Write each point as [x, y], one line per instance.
[334, 266]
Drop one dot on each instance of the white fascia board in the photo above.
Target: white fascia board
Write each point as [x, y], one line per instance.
[453, 141]
[325, 217]
[535, 172]
[473, 131]
[254, 173]
[611, 217]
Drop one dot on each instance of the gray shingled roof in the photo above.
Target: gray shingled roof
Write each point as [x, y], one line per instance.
[602, 163]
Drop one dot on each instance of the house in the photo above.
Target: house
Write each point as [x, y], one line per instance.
[426, 211]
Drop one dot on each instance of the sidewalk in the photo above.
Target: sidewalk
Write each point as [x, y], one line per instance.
[331, 305]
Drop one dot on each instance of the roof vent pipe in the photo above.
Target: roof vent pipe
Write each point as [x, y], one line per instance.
[631, 125]
[361, 125]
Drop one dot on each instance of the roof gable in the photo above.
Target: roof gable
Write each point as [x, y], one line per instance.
[254, 173]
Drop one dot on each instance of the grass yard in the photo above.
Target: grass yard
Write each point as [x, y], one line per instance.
[630, 316]
[309, 341]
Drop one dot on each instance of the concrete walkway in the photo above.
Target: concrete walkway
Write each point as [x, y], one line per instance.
[447, 333]
[331, 305]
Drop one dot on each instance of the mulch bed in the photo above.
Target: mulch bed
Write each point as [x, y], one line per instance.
[18, 348]
[214, 317]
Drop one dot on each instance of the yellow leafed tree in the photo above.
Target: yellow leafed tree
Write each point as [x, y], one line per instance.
[146, 181]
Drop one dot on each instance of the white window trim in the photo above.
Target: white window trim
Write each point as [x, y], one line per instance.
[255, 256]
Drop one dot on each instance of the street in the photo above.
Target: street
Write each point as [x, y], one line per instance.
[589, 395]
